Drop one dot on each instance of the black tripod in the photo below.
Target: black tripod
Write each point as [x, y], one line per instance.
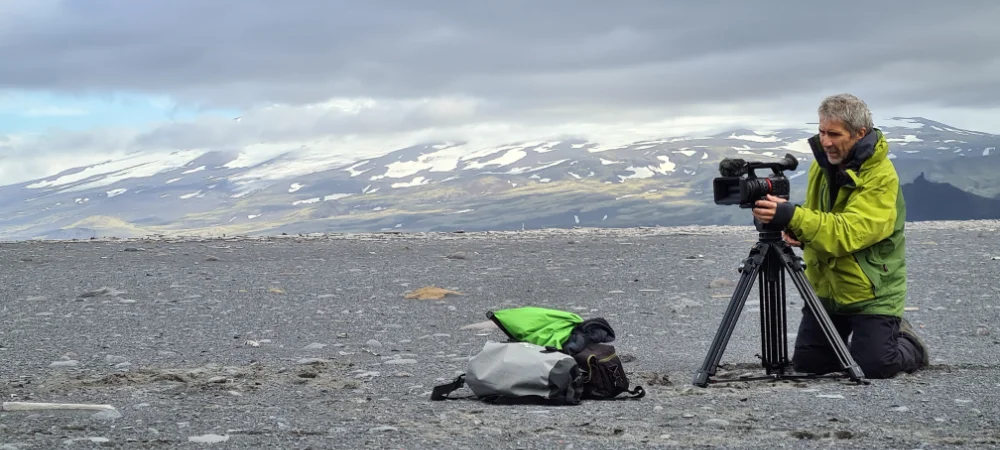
[769, 258]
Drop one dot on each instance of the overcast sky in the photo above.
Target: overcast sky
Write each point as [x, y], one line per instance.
[106, 77]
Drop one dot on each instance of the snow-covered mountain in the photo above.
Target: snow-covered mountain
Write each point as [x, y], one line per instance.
[448, 185]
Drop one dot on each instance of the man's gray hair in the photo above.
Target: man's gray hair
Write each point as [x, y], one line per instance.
[850, 110]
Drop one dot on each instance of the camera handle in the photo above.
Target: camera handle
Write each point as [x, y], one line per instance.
[768, 261]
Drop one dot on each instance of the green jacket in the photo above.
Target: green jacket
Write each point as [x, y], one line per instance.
[853, 238]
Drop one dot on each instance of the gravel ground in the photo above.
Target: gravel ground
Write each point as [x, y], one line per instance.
[308, 342]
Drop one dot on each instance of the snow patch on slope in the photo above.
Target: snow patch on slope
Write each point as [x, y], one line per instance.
[442, 160]
[511, 157]
[758, 136]
[133, 166]
[666, 166]
[906, 139]
[637, 173]
[418, 181]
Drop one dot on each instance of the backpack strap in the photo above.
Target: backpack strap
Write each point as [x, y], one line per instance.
[441, 392]
[636, 392]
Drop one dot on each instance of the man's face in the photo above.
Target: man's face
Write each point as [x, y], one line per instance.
[836, 140]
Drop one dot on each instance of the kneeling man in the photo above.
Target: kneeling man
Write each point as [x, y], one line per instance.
[851, 231]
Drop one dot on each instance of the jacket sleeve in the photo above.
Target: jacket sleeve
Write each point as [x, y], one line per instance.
[869, 217]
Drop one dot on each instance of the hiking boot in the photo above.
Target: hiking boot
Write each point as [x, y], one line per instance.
[907, 329]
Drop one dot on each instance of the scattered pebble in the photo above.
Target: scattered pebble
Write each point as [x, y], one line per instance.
[110, 414]
[114, 359]
[717, 423]
[400, 361]
[66, 363]
[721, 283]
[310, 361]
[209, 438]
[479, 326]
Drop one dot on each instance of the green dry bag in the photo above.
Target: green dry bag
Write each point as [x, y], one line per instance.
[539, 326]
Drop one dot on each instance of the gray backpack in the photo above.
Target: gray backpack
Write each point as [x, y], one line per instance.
[519, 373]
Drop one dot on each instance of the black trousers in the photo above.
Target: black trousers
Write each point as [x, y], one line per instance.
[875, 343]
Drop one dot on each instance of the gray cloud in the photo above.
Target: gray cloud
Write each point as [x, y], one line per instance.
[515, 54]
[449, 69]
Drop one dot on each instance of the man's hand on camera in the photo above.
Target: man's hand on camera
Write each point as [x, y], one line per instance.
[774, 209]
[766, 209]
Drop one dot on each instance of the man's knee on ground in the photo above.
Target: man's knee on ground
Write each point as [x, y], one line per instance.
[876, 366]
[812, 361]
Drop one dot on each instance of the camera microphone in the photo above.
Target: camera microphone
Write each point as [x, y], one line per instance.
[730, 167]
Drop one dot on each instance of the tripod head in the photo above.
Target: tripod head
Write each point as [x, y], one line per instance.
[767, 232]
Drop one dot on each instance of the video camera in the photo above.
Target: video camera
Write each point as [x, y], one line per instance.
[731, 188]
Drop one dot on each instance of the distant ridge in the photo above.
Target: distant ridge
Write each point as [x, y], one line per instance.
[449, 186]
[927, 200]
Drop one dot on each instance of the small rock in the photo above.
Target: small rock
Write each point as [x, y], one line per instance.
[309, 361]
[103, 291]
[720, 283]
[717, 423]
[110, 414]
[457, 255]
[209, 438]
[373, 343]
[400, 361]
[66, 363]
[382, 428]
[133, 249]
[217, 380]
[479, 326]
[212, 258]
[114, 359]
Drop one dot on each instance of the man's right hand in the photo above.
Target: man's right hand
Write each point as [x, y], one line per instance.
[790, 239]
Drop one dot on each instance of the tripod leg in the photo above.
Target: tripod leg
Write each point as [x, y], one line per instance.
[749, 269]
[847, 362]
[774, 334]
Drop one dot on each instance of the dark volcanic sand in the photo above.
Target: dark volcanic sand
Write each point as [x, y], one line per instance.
[168, 343]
